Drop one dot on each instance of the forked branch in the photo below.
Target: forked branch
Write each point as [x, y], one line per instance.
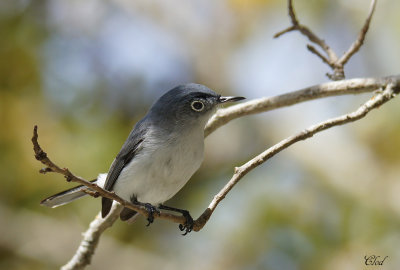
[330, 57]
[387, 94]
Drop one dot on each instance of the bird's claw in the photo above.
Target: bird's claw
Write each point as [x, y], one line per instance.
[188, 226]
[150, 210]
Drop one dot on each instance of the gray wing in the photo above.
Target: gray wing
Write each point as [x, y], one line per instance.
[126, 154]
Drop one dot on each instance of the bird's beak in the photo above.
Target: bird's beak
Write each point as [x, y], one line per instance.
[229, 99]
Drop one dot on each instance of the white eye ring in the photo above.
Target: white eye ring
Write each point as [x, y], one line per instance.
[197, 106]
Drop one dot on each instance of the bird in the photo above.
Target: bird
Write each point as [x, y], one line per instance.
[162, 152]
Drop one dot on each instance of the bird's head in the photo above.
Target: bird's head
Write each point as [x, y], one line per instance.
[189, 104]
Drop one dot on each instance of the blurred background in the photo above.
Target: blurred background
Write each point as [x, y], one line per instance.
[86, 71]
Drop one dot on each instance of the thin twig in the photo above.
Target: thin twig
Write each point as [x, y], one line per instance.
[361, 37]
[284, 31]
[313, 50]
[331, 58]
[308, 33]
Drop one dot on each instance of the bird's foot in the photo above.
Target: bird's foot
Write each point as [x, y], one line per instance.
[188, 226]
[150, 210]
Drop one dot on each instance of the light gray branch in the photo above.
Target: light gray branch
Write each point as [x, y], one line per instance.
[336, 88]
[84, 253]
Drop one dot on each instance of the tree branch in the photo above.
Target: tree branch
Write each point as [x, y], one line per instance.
[355, 86]
[331, 58]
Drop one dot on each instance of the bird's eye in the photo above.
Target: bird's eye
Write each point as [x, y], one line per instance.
[197, 106]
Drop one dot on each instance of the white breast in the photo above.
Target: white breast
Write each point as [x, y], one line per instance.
[162, 167]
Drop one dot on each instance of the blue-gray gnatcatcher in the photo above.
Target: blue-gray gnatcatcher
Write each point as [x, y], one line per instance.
[162, 152]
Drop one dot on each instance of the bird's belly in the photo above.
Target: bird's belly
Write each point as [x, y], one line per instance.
[156, 176]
